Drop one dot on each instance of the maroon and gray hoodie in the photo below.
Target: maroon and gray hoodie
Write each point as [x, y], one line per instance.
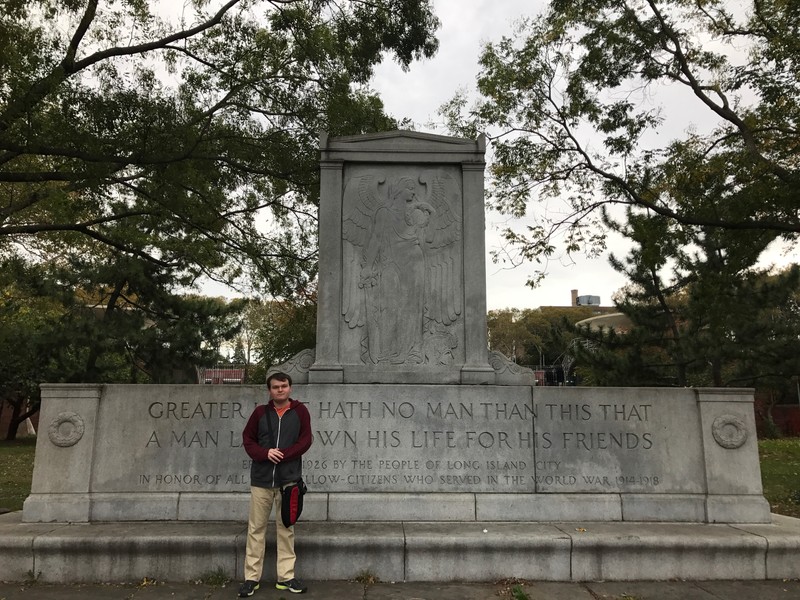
[292, 435]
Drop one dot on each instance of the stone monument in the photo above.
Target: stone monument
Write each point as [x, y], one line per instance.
[413, 418]
[402, 294]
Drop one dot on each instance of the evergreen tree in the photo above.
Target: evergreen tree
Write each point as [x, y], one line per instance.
[702, 313]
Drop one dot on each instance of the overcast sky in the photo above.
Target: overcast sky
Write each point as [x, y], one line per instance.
[418, 93]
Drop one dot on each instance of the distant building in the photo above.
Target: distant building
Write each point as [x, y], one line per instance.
[606, 317]
[584, 300]
[221, 376]
[619, 322]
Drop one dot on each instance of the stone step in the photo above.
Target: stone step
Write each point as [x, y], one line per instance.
[405, 551]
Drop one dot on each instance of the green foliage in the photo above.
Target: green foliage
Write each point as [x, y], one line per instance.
[89, 322]
[277, 330]
[570, 102]
[32, 339]
[702, 314]
[508, 334]
[517, 593]
[141, 150]
[188, 141]
[535, 336]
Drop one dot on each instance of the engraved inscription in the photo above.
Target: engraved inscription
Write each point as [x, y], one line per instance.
[421, 440]
[488, 446]
[602, 446]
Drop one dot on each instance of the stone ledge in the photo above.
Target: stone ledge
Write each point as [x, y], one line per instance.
[404, 551]
[340, 507]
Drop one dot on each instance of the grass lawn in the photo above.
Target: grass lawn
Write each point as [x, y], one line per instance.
[16, 470]
[780, 472]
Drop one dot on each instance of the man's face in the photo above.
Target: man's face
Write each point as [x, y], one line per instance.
[279, 391]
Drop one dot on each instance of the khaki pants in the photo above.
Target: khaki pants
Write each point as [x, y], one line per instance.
[261, 503]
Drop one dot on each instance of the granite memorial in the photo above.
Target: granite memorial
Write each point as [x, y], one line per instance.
[413, 418]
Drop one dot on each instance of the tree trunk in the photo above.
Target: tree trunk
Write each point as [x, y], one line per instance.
[94, 350]
[13, 424]
[716, 371]
[18, 418]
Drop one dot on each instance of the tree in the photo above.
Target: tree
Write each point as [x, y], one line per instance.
[508, 334]
[702, 312]
[141, 150]
[238, 357]
[188, 141]
[84, 322]
[570, 103]
[278, 330]
[30, 327]
[127, 310]
[532, 337]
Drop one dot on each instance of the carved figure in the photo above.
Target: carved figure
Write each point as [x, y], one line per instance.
[406, 283]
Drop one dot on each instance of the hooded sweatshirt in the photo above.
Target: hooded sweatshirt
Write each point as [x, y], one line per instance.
[290, 433]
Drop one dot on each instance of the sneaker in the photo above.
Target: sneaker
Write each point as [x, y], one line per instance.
[248, 588]
[292, 585]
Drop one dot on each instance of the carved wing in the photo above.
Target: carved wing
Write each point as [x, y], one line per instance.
[362, 197]
[361, 200]
[444, 290]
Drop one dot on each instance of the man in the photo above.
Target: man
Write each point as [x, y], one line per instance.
[276, 437]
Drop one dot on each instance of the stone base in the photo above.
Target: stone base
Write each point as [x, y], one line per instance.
[344, 507]
[385, 452]
[405, 551]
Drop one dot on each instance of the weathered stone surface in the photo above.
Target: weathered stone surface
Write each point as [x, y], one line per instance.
[438, 551]
[418, 591]
[401, 507]
[608, 440]
[496, 452]
[783, 548]
[737, 509]
[425, 438]
[66, 468]
[181, 438]
[16, 558]
[127, 552]
[346, 550]
[405, 551]
[55, 507]
[602, 551]
[664, 507]
[662, 590]
[231, 506]
[402, 294]
[548, 507]
[729, 442]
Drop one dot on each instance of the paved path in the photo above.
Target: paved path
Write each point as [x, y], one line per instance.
[345, 590]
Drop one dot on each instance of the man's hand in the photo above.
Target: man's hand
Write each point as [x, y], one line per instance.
[274, 455]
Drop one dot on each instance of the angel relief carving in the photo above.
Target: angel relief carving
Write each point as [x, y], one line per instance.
[402, 275]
